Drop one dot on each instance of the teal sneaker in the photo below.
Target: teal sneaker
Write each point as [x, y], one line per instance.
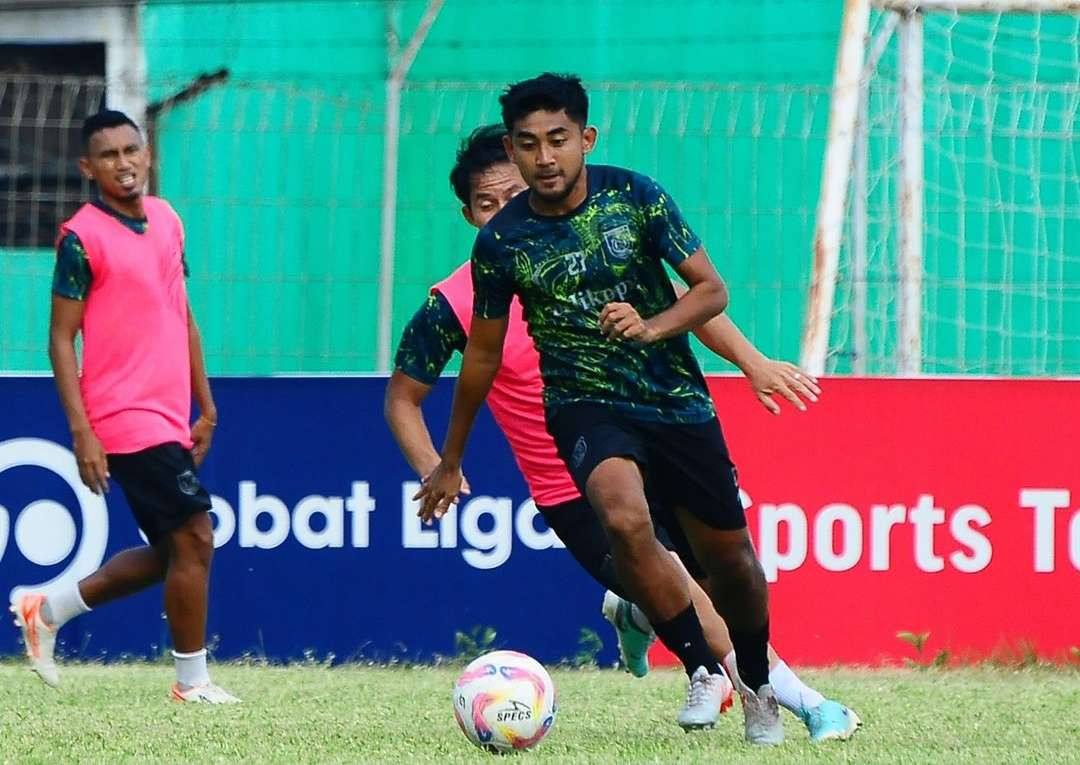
[830, 719]
[633, 642]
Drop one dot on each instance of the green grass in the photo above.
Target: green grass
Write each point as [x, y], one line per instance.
[403, 715]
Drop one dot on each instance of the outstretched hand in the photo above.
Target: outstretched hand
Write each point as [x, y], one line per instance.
[768, 378]
[439, 491]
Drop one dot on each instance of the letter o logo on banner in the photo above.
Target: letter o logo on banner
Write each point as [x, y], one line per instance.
[45, 531]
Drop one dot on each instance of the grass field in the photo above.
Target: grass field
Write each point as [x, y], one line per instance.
[291, 714]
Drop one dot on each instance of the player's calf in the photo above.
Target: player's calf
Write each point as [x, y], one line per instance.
[186, 584]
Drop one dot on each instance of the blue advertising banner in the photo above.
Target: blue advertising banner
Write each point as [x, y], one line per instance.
[319, 551]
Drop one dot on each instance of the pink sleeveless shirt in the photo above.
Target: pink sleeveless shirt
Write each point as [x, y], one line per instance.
[136, 366]
[516, 397]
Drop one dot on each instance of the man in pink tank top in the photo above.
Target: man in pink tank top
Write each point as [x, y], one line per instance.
[119, 279]
[485, 180]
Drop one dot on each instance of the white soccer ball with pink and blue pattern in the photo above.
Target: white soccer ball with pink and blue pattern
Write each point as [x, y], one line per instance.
[504, 701]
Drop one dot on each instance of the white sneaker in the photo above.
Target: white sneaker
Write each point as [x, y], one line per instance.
[38, 637]
[707, 696]
[762, 717]
[203, 694]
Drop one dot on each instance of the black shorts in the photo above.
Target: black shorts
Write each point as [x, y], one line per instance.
[577, 526]
[684, 465]
[161, 487]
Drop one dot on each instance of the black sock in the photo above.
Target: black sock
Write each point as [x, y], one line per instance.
[752, 648]
[683, 636]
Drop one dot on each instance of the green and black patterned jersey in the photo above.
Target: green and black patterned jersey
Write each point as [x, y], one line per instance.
[430, 339]
[71, 274]
[612, 248]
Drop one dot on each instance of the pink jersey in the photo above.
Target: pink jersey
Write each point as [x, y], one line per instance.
[136, 366]
[516, 399]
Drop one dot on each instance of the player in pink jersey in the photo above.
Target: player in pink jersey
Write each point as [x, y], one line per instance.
[119, 279]
[485, 181]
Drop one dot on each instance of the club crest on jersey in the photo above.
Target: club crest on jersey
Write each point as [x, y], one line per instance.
[619, 242]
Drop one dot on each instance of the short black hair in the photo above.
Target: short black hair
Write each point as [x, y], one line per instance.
[106, 118]
[481, 150]
[549, 92]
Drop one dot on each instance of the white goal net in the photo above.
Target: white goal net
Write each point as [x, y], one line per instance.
[957, 250]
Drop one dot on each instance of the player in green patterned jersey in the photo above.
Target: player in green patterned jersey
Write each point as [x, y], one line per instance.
[625, 400]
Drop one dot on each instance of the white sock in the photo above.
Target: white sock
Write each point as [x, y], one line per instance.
[191, 668]
[640, 620]
[63, 605]
[790, 691]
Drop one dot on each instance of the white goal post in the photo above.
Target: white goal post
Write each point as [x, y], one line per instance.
[842, 197]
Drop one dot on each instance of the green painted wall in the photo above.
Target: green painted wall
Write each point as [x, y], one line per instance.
[277, 172]
[25, 277]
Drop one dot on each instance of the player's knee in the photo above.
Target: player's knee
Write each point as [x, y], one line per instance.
[747, 567]
[194, 541]
[629, 529]
[614, 501]
[735, 563]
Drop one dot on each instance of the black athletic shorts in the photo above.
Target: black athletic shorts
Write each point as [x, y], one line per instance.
[684, 465]
[576, 524]
[161, 487]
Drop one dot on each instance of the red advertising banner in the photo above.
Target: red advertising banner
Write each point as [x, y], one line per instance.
[948, 507]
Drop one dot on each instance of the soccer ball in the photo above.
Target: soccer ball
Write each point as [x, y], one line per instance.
[504, 702]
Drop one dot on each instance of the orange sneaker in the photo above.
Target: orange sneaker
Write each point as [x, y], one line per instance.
[38, 637]
[203, 694]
